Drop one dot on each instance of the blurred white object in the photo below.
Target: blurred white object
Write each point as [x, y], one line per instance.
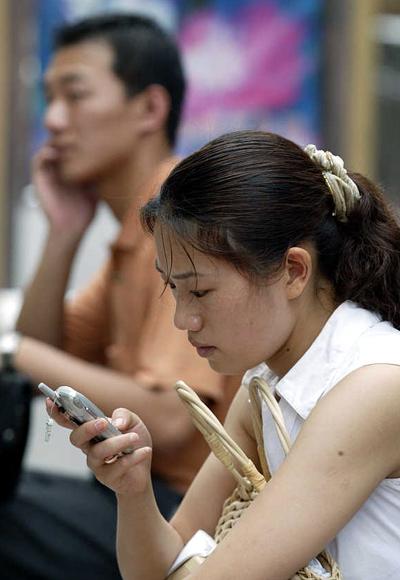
[10, 305]
[56, 455]
[29, 231]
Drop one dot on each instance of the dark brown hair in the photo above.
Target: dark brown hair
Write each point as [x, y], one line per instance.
[144, 54]
[248, 196]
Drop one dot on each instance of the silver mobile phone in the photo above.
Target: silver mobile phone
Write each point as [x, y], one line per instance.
[79, 409]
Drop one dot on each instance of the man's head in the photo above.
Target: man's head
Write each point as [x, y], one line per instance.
[113, 79]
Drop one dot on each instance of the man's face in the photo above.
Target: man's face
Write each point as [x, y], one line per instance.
[92, 123]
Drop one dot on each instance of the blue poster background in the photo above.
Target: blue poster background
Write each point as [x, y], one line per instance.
[253, 64]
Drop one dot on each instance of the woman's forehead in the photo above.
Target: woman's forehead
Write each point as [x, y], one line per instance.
[172, 252]
[175, 256]
[169, 244]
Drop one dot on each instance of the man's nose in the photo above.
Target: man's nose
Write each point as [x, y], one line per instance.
[56, 116]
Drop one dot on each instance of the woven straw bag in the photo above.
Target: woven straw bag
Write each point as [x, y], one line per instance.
[249, 480]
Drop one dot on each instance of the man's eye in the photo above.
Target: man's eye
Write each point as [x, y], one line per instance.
[171, 285]
[199, 293]
[76, 95]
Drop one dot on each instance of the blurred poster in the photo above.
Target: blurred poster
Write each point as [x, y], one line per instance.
[250, 64]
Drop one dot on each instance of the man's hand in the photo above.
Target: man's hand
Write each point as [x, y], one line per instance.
[69, 208]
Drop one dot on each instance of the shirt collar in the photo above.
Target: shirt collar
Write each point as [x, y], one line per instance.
[305, 383]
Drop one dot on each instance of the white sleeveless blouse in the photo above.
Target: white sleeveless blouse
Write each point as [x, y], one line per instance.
[368, 547]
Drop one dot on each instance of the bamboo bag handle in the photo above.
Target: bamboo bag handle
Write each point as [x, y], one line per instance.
[249, 480]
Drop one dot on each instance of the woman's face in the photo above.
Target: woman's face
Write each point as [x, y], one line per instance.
[230, 321]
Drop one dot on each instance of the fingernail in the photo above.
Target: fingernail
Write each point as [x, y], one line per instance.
[119, 422]
[100, 424]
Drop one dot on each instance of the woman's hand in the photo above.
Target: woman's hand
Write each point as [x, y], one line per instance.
[129, 473]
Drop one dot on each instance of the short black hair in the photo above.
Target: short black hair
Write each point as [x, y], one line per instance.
[144, 54]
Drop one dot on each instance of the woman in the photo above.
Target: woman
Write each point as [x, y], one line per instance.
[280, 260]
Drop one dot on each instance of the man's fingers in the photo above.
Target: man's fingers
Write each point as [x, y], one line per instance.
[46, 153]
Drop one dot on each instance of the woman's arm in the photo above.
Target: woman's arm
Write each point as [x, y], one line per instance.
[349, 444]
[147, 545]
[143, 535]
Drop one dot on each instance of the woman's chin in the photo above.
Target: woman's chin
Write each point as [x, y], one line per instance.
[226, 367]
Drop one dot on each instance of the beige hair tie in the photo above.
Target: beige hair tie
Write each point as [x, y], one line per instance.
[344, 191]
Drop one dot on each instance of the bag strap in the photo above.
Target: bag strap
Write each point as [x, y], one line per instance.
[260, 391]
[245, 472]
[222, 445]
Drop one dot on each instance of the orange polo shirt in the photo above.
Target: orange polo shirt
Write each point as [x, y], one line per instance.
[124, 321]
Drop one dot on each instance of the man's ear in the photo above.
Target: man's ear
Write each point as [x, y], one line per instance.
[298, 269]
[152, 107]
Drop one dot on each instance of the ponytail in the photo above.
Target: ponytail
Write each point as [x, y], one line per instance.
[368, 269]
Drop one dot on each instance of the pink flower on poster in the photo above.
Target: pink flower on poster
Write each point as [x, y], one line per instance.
[252, 61]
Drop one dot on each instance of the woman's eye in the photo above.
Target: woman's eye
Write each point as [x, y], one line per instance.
[171, 285]
[199, 293]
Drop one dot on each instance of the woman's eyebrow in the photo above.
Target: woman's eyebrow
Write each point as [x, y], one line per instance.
[181, 275]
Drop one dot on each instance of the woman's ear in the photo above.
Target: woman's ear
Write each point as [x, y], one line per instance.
[152, 107]
[298, 268]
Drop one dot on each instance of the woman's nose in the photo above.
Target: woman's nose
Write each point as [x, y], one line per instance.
[186, 321]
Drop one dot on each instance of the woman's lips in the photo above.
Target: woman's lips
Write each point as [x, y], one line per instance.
[205, 351]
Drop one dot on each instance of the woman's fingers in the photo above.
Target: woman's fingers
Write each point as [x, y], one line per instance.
[124, 419]
[121, 464]
[128, 474]
[54, 413]
[114, 446]
[126, 462]
[123, 461]
[82, 437]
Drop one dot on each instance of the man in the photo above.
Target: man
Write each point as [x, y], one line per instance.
[114, 93]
